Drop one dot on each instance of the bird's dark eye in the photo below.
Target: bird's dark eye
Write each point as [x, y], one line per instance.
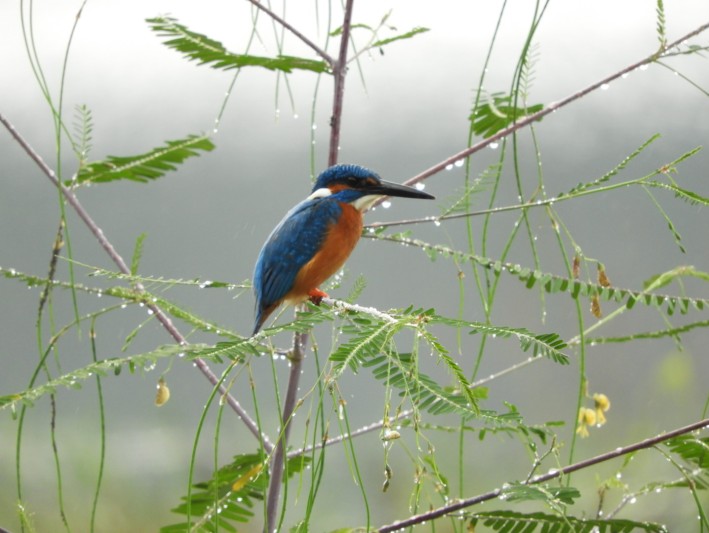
[352, 181]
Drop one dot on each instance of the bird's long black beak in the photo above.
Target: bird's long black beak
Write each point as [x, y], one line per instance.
[388, 188]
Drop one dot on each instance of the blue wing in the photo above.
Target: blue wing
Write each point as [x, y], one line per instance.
[295, 240]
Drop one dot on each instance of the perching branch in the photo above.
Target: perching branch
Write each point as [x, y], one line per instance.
[552, 474]
[123, 267]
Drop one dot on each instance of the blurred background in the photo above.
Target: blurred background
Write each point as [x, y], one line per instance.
[405, 110]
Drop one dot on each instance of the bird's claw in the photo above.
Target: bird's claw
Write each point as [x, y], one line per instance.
[316, 296]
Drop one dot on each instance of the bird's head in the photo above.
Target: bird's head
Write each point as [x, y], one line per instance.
[359, 186]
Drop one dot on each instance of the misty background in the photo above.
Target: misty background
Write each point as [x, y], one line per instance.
[405, 110]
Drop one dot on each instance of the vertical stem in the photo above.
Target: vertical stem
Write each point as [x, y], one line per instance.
[300, 339]
[339, 72]
[278, 462]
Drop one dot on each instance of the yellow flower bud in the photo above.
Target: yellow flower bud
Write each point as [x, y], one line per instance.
[602, 404]
[587, 417]
[163, 394]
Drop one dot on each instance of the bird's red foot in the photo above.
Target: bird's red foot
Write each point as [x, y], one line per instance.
[316, 296]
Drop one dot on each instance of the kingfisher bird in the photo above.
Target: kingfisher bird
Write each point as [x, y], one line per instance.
[316, 237]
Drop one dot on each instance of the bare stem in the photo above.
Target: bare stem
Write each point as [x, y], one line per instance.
[468, 502]
[297, 355]
[340, 72]
[300, 340]
[121, 264]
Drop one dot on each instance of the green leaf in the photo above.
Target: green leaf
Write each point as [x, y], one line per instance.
[144, 167]
[83, 128]
[367, 340]
[400, 370]
[661, 26]
[613, 172]
[550, 494]
[206, 51]
[137, 254]
[661, 280]
[510, 521]
[553, 283]
[670, 332]
[692, 449]
[461, 202]
[548, 345]
[683, 194]
[407, 35]
[229, 496]
[497, 113]
[75, 378]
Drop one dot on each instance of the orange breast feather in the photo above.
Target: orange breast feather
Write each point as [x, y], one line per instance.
[340, 241]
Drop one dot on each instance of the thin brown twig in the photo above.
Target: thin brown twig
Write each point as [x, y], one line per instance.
[340, 73]
[339, 69]
[534, 117]
[322, 53]
[123, 267]
[552, 474]
[296, 357]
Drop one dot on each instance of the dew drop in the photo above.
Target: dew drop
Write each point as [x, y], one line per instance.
[459, 163]
[604, 87]
[420, 186]
[449, 167]
[493, 146]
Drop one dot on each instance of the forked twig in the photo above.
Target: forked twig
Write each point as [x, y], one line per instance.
[123, 267]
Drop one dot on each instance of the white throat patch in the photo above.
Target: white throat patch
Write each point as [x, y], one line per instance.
[364, 203]
[319, 193]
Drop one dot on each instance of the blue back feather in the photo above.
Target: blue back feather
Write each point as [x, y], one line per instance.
[299, 236]
[295, 240]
